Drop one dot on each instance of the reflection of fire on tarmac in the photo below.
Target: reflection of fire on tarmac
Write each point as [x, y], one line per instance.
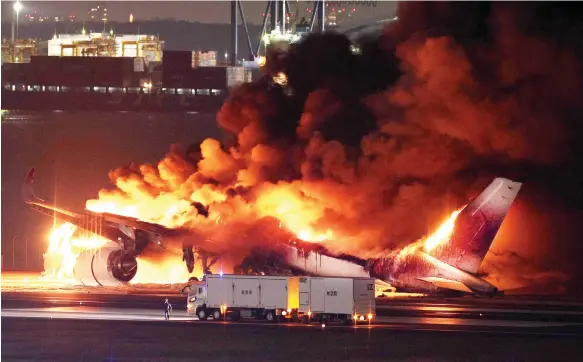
[35, 282]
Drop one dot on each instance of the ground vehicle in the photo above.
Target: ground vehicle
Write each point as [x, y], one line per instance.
[347, 300]
[244, 296]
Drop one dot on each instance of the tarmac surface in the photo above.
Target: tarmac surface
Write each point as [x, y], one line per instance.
[51, 322]
[180, 340]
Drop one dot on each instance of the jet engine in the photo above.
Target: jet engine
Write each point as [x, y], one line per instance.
[108, 266]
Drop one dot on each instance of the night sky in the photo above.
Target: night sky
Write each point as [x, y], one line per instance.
[195, 11]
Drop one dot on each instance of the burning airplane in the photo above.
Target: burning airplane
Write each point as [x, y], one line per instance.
[447, 260]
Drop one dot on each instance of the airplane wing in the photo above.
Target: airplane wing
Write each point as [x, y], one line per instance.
[42, 206]
[132, 234]
[80, 220]
[447, 284]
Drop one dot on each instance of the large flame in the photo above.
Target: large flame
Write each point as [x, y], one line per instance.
[64, 248]
[65, 244]
[439, 237]
[443, 233]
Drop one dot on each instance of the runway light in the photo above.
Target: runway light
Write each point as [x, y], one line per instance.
[323, 325]
[369, 316]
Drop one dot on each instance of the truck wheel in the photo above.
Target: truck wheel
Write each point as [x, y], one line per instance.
[216, 315]
[202, 315]
[270, 316]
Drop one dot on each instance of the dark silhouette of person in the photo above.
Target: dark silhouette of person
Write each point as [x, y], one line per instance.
[167, 309]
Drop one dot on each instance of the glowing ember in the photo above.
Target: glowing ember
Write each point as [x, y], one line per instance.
[280, 78]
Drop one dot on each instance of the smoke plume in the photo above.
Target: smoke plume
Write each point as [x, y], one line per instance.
[373, 149]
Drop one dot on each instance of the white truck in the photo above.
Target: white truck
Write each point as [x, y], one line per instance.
[244, 296]
[346, 300]
[276, 298]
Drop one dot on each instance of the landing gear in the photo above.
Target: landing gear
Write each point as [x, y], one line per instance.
[188, 257]
[206, 264]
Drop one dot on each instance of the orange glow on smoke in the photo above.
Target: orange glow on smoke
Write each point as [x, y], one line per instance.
[169, 270]
[286, 205]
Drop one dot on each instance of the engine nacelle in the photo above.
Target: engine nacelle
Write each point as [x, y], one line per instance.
[107, 266]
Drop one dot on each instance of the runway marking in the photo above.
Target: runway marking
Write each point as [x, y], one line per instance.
[401, 323]
[400, 327]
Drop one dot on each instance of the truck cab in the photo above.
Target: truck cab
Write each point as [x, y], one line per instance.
[196, 297]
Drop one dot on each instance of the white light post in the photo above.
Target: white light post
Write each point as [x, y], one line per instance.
[17, 7]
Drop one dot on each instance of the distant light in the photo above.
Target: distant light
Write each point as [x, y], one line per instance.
[131, 18]
[221, 272]
[17, 7]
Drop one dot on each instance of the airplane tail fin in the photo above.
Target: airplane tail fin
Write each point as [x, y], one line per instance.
[477, 224]
[27, 188]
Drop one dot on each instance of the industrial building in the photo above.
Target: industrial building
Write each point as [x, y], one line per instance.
[107, 44]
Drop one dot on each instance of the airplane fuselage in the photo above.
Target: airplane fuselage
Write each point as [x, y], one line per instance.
[420, 273]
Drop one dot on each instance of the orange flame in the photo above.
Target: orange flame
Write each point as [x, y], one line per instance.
[443, 233]
[438, 238]
[64, 248]
[164, 195]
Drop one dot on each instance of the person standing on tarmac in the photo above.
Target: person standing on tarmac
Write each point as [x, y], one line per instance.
[167, 309]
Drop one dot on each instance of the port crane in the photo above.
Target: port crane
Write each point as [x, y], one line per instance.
[280, 25]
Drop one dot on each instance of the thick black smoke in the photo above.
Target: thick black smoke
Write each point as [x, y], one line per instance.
[380, 146]
[449, 96]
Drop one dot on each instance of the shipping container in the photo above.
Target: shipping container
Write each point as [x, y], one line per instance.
[204, 59]
[17, 73]
[84, 71]
[176, 60]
